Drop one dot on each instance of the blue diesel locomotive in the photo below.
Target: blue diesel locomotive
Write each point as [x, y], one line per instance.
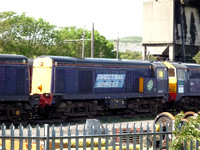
[14, 88]
[76, 87]
[64, 87]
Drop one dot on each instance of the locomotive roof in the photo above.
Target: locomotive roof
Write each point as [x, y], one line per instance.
[179, 65]
[61, 59]
[158, 64]
[12, 58]
[192, 65]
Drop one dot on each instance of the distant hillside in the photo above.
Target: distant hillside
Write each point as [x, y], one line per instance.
[129, 40]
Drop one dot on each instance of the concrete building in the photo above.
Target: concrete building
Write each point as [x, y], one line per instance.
[129, 47]
[171, 29]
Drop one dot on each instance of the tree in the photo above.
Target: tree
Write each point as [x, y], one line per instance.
[197, 58]
[8, 32]
[25, 35]
[102, 47]
[68, 43]
[130, 55]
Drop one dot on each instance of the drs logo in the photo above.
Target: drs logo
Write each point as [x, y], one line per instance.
[109, 81]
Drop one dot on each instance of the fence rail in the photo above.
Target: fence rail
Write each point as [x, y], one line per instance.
[108, 137]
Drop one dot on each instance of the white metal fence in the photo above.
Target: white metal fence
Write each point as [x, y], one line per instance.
[108, 137]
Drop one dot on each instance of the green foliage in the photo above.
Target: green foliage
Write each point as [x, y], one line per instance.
[197, 58]
[130, 55]
[24, 35]
[151, 57]
[129, 40]
[188, 131]
[68, 43]
[27, 36]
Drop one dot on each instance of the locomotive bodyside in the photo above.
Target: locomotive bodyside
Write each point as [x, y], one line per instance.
[184, 81]
[74, 87]
[14, 87]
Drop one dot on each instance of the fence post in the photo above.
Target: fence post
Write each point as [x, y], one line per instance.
[53, 135]
[120, 137]
[38, 135]
[134, 137]
[106, 131]
[46, 134]
[141, 137]
[84, 138]
[77, 134]
[148, 138]
[12, 128]
[127, 138]
[61, 135]
[29, 135]
[114, 138]
[3, 128]
[69, 139]
[21, 135]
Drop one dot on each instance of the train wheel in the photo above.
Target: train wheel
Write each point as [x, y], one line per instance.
[91, 111]
[27, 115]
[189, 114]
[163, 119]
[132, 111]
[63, 110]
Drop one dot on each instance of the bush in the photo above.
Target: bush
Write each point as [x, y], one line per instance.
[185, 131]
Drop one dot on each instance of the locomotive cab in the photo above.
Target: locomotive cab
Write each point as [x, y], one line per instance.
[161, 77]
[41, 80]
[178, 80]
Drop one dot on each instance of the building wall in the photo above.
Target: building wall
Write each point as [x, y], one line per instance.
[191, 25]
[158, 21]
[162, 34]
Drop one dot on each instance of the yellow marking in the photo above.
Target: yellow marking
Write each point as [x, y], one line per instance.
[168, 64]
[172, 80]
[157, 128]
[41, 78]
[40, 87]
[141, 85]
[17, 112]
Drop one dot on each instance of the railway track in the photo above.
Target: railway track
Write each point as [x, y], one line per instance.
[82, 120]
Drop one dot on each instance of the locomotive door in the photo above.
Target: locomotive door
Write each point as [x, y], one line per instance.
[162, 84]
[182, 81]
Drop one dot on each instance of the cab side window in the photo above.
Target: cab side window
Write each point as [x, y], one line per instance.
[171, 72]
[181, 74]
[160, 74]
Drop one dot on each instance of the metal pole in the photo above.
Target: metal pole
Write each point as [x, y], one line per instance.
[83, 46]
[92, 41]
[46, 134]
[117, 55]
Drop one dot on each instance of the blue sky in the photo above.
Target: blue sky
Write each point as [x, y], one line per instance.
[112, 18]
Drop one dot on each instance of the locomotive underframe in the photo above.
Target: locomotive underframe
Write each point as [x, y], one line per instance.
[13, 110]
[187, 103]
[65, 108]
